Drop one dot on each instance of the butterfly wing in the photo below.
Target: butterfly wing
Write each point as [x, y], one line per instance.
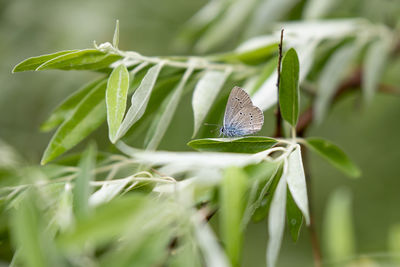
[238, 99]
[248, 120]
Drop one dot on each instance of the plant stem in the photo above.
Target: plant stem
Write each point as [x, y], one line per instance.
[278, 129]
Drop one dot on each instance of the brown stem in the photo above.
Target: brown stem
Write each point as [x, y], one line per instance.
[278, 129]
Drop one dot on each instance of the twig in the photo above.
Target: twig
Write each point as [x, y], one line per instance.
[278, 129]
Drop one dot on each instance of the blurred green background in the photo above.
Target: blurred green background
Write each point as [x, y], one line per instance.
[369, 134]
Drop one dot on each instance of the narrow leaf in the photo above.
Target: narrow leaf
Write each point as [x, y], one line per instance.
[116, 35]
[25, 226]
[190, 160]
[296, 181]
[276, 222]
[338, 229]
[116, 95]
[208, 243]
[80, 60]
[82, 190]
[160, 126]
[330, 78]
[289, 87]
[374, 65]
[33, 62]
[205, 93]
[104, 223]
[294, 217]
[250, 144]
[233, 189]
[334, 155]
[146, 249]
[139, 100]
[66, 108]
[223, 28]
[87, 117]
[107, 192]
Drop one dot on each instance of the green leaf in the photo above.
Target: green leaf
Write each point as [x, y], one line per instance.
[265, 196]
[88, 59]
[87, 117]
[374, 65]
[331, 76]
[104, 223]
[116, 35]
[289, 87]
[249, 144]
[146, 249]
[261, 176]
[205, 93]
[233, 189]
[34, 246]
[294, 217]
[82, 190]
[276, 222]
[334, 155]
[253, 56]
[296, 182]
[167, 111]
[139, 100]
[33, 62]
[338, 232]
[116, 95]
[67, 107]
[25, 225]
[228, 24]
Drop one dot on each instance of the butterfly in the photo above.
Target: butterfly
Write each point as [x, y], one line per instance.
[241, 116]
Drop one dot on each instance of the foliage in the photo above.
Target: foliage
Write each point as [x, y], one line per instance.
[152, 207]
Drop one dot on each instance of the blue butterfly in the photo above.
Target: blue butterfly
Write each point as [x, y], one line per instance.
[241, 116]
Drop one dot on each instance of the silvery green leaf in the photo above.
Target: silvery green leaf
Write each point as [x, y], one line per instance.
[267, 12]
[139, 100]
[81, 191]
[205, 93]
[267, 95]
[374, 65]
[326, 29]
[116, 95]
[116, 35]
[231, 20]
[296, 182]
[108, 191]
[276, 222]
[316, 9]
[160, 126]
[211, 250]
[331, 76]
[190, 160]
[231, 198]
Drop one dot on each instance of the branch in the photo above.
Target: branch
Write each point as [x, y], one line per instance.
[352, 83]
[278, 129]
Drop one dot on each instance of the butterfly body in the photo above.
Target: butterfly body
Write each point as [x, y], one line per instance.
[241, 116]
